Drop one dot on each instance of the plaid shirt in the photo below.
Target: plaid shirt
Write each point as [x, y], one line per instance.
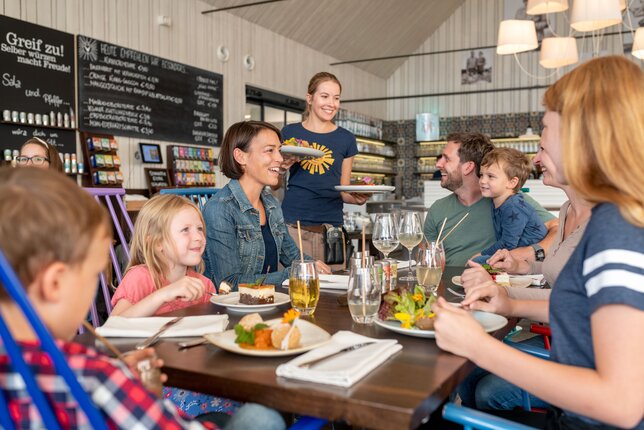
[118, 395]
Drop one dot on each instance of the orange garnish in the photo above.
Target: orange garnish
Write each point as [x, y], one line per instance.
[290, 316]
[263, 339]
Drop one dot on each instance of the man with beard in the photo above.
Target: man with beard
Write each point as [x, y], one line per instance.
[460, 166]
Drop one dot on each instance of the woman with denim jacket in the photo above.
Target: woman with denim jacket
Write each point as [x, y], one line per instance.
[245, 232]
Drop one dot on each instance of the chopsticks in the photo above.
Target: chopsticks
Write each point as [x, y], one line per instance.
[104, 341]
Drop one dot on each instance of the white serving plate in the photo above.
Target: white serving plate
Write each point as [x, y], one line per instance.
[312, 337]
[231, 302]
[490, 322]
[515, 281]
[301, 151]
[365, 188]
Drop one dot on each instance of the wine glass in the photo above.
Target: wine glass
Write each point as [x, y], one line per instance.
[431, 263]
[385, 234]
[364, 293]
[410, 234]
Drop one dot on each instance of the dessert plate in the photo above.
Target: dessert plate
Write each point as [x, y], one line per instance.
[301, 151]
[231, 302]
[490, 322]
[515, 281]
[365, 188]
[312, 337]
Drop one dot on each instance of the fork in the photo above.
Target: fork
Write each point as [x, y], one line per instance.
[342, 351]
[152, 339]
[456, 293]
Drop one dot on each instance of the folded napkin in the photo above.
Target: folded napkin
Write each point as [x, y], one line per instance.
[403, 264]
[144, 327]
[330, 282]
[536, 279]
[345, 369]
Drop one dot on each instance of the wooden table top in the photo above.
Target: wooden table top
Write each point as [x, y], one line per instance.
[400, 393]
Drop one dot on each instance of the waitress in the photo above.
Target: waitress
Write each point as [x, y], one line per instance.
[310, 195]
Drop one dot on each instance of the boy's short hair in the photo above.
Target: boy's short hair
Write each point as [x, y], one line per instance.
[46, 218]
[514, 163]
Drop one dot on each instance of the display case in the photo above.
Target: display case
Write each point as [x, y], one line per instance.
[191, 166]
[377, 160]
[428, 152]
[102, 160]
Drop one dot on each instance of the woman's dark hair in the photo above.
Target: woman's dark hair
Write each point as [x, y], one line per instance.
[240, 135]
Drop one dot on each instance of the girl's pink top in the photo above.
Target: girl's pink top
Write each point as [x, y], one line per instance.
[137, 284]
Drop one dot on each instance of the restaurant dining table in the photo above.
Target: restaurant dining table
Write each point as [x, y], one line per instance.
[400, 393]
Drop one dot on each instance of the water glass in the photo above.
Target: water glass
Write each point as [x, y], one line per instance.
[363, 295]
[304, 287]
[385, 233]
[431, 263]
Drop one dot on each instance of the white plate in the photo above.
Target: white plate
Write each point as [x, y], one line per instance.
[515, 281]
[231, 301]
[490, 322]
[365, 188]
[301, 151]
[312, 337]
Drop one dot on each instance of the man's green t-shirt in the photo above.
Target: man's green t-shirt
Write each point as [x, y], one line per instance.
[474, 234]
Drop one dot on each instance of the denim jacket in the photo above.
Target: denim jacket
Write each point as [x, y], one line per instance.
[234, 244]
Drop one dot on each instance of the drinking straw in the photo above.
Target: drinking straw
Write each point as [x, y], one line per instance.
[454, 228]
[363, 246]
[438, 239]
[105, 342]
[299, 235]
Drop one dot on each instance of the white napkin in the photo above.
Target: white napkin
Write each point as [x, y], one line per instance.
[403, 264]
[345, 369]
[537, 279]
[116, 326]
[330, 282]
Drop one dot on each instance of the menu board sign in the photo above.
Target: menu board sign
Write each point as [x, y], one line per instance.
[131, 93]
[13, 136]
[157, 179]
[37, 77]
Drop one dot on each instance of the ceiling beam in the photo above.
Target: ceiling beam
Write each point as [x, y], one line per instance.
[239, 6]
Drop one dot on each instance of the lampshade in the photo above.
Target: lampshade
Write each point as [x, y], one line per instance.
[516, 35]
[638, 44]
[589, 15]
[539, 7]
[558, 52]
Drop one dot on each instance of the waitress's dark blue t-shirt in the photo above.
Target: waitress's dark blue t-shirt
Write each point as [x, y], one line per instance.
[310, 194]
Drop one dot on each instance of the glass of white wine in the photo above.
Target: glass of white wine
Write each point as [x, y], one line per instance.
[385, 234]
[431, 263]
[410, 233]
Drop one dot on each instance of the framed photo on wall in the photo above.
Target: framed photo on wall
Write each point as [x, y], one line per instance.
[477, 66]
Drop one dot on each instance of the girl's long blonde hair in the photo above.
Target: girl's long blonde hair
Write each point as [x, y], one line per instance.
[601, 104]
[152, 232]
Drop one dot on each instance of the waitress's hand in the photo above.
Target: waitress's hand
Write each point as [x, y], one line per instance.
[288, 161]
[322, 268]
[355, 198]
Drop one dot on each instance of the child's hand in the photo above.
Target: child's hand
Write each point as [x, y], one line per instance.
[132, 358]
[185, 289]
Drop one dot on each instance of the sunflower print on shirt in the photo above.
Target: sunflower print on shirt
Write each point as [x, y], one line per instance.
[318, 165]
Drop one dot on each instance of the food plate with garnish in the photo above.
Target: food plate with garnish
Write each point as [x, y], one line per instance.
[515, 281]
[410, 313]
[301, 151]
[273, 338]
[365, 189]
[231, 302]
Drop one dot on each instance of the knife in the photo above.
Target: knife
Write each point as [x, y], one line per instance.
[152, 339]
[342, 351]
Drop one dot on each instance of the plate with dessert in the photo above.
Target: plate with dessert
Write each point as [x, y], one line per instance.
[273, 338]
[410, 313]
[250, 298]
[365, 189]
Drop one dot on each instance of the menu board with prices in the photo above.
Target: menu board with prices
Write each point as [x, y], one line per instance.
[191, 166]
[37, 82]
[103, 161]
[131, 93]
[156, 179]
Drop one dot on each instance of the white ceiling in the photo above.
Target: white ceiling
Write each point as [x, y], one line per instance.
[351, 29]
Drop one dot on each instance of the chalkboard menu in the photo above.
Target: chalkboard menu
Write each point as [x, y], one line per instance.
[157, 179]
[37, 84]
[131, 93]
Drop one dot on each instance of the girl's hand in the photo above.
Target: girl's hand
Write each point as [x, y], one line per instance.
[131, 358]
[456, 329]
[488, 297]
[322, 268]
[474, 275]
[503, 259]
[186, 289]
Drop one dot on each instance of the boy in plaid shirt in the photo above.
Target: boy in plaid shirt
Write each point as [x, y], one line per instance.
[56, 237]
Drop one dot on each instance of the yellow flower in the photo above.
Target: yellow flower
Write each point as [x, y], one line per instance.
[417, 297]
[290, 316]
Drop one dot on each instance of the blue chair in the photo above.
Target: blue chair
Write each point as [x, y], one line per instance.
[308, 423]
[472, 419]
[532, 350]
[198, 196]
[13, 287]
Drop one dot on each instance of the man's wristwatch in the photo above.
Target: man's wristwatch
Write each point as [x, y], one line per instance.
[539, 253]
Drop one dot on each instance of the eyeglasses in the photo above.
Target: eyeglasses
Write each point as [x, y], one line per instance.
[36, 160]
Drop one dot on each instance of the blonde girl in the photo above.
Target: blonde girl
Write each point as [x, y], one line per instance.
[168, 242]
